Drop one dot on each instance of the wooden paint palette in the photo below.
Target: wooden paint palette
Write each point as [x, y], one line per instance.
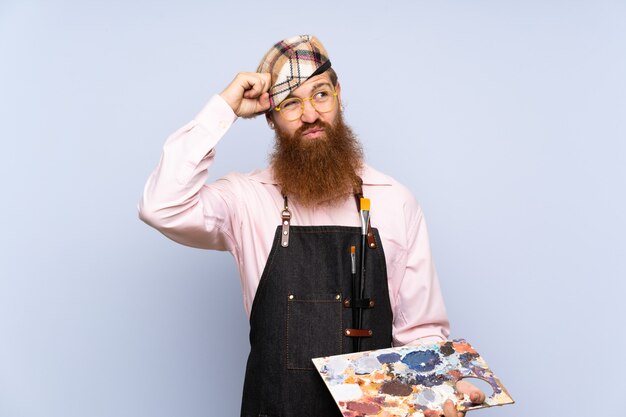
[404, 381]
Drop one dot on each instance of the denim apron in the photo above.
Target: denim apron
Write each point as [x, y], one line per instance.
[302, 310]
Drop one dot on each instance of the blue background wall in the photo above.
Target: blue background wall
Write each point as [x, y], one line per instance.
[505, 118]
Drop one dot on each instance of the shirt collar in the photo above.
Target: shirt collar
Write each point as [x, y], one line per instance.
[369, 175]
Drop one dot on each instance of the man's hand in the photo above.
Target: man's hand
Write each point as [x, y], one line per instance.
[449, 410]
[247, 94]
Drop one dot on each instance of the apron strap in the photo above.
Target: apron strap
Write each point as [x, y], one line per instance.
[286, 220]
[358, 333]
[358, 195]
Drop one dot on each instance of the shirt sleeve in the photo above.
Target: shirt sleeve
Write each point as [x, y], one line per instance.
[420, 315]
[176, 201]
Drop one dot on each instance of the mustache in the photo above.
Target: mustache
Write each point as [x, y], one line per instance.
[305, 126]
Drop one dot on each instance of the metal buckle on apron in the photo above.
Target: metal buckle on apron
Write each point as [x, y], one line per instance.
[371, 241]
[286, 216]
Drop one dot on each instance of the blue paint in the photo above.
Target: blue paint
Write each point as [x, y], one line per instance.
[389, 357]
[426, 396]
[467, 359]
[422, 360]
[366, 365]
[430, 380]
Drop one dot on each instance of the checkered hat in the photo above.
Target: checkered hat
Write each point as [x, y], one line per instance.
[291, 62]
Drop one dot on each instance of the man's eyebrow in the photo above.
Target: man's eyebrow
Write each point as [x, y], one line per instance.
[320, 84]
[315, 87]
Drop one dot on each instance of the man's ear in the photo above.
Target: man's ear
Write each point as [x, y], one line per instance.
[269, 120]
[338, 90]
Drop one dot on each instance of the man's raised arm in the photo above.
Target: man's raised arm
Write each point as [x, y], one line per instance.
[176, 201]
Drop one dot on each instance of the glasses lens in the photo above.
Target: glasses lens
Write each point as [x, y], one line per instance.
[324, 101]
[291, 109]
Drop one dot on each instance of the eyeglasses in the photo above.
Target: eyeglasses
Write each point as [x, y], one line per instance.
[292, 109]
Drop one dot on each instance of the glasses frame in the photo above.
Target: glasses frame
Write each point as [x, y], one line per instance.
[303, 99]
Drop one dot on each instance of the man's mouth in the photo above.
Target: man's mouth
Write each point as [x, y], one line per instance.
[313, 133]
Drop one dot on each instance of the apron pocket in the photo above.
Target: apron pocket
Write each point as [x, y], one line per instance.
[314, 326]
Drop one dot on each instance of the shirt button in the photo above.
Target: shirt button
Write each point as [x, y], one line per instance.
[222, 125]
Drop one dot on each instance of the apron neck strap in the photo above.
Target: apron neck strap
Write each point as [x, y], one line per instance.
[358, 195]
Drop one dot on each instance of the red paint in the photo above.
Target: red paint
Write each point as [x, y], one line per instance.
[365, 408]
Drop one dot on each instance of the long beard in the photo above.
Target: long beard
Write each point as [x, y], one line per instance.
[318, 171]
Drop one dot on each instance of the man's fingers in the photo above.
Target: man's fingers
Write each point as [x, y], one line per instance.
[477, 397]
[267, 77]
[263, 104]
[475, 394]
[449, 410]
[246, 93]
[253, 88]
[255, 85]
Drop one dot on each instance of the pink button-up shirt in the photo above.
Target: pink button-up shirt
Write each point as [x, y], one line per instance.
[240, 212]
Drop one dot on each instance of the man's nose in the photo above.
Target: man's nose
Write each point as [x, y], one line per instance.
[309, 114]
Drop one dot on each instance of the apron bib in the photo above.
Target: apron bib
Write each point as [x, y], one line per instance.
[301, 311]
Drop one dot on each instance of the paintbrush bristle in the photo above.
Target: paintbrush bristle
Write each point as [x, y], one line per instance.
[365, 204]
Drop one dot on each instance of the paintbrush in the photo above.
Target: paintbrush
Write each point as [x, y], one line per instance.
[365, 220]
[355, 292]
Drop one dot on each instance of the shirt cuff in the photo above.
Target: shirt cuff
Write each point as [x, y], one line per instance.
[216, 113]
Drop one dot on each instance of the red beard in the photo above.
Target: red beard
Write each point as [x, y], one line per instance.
[318, 171]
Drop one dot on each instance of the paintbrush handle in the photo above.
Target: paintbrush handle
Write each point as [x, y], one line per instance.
[355, 311]
[362, 271]
[364, 213]
[361, 289]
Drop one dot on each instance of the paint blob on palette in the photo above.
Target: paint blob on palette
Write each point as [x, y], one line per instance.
[405, 381]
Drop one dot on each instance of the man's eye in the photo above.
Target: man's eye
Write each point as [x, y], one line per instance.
[321, 95]
[290, 105]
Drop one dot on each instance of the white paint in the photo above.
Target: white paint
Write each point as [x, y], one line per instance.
[346, 392]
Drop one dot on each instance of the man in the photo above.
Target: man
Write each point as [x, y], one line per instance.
[292, 228]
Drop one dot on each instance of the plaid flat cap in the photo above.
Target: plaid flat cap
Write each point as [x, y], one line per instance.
[291, 62]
